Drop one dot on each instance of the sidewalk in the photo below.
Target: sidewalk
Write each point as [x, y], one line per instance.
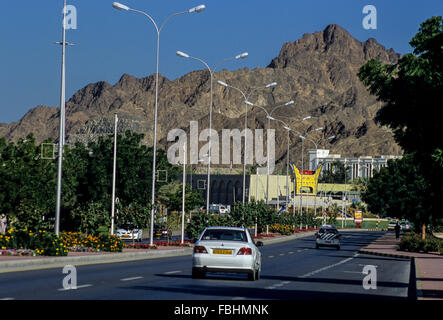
[428, 266]
[24, 263]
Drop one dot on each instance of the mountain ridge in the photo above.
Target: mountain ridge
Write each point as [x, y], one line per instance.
[317, 71]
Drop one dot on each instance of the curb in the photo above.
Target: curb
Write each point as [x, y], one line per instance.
[57, 262]
[47, 263]
[392, 255]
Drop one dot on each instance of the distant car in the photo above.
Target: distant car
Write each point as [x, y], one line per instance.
[161, 232]
[226, 249]
[391, 225]
[405, 226]
[328, 235]
[218, 209]
[128, 232]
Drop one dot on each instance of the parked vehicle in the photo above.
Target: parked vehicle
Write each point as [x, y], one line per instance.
[226, 249]
[161, 232]
[218, 209]
[128, 232]
[405, 226]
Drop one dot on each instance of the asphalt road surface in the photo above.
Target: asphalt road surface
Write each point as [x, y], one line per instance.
[292, 270]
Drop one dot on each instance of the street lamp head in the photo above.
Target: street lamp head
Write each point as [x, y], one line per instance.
[287, 128]
[197, 9]
[224, 84]
[331, 137]
[182, 54]
[306, 118]
[301, 137]
[319, 129]
[270, 118]
[249, 103]
[119, 6]
[290, 102]
[242, 55]
[272, 84]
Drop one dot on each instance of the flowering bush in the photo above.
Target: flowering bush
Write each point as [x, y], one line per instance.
[47, 244]
[41, 242]
[282, 229]
[77, 241]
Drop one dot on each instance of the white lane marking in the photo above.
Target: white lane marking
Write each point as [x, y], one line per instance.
[239, 298]
[328, 267]
[290, 252]
[277, 285]
[131, 278]
[78, 287]
[282, 254]
[359, 272]
[270, 256]
[172, 272]
[7, 298]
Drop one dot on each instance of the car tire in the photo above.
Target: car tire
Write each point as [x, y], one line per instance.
[338, 247]
[252, 275]
[198, 274]
[317, 246]
[257, 274]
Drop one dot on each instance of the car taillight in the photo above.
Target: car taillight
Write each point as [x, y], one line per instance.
[200, 249]
[244, 251]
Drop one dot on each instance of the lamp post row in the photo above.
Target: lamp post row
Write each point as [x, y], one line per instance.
[158, 29]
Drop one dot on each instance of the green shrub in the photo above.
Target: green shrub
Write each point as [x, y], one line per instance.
[47, 244]
[412, 242]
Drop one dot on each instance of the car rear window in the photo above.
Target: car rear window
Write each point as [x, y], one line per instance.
[228, 235]
[328, 231]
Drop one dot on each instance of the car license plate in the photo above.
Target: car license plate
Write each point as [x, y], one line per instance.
[126, 236]
[219, 251]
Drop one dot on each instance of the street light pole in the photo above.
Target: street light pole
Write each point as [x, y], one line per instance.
[269, 118]
[114, 173]
[158, 30]
[246, 98]
[183, 195]
[211, 72]
[61, 141]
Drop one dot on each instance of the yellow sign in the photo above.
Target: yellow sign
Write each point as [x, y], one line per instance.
[358, 216]
[306, 180]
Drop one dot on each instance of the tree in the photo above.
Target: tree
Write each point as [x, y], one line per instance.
[171, 196]
[399, 190]
[412, 91]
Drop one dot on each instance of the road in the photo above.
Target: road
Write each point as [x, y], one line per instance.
[291, 270]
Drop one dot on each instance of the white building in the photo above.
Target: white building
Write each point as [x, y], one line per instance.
[358, 167]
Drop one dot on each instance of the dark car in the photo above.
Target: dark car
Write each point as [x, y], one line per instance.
[162, 232]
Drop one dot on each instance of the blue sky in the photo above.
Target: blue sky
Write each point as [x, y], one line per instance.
[110, 43]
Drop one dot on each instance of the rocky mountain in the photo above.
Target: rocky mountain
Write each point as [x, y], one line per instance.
[318, 72]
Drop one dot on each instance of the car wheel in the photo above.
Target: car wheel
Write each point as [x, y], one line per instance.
[338, 247]
[198, 274]
[317, 246]
[252, 276]
[257, 275]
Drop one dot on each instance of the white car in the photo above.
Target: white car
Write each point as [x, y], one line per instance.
[328, 235]
[226, 249]
[126, 232]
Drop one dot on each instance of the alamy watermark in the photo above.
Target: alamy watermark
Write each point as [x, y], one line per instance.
[370, 20]
[70, 14]
[70, 281]
[254, 146]
[370, 280]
